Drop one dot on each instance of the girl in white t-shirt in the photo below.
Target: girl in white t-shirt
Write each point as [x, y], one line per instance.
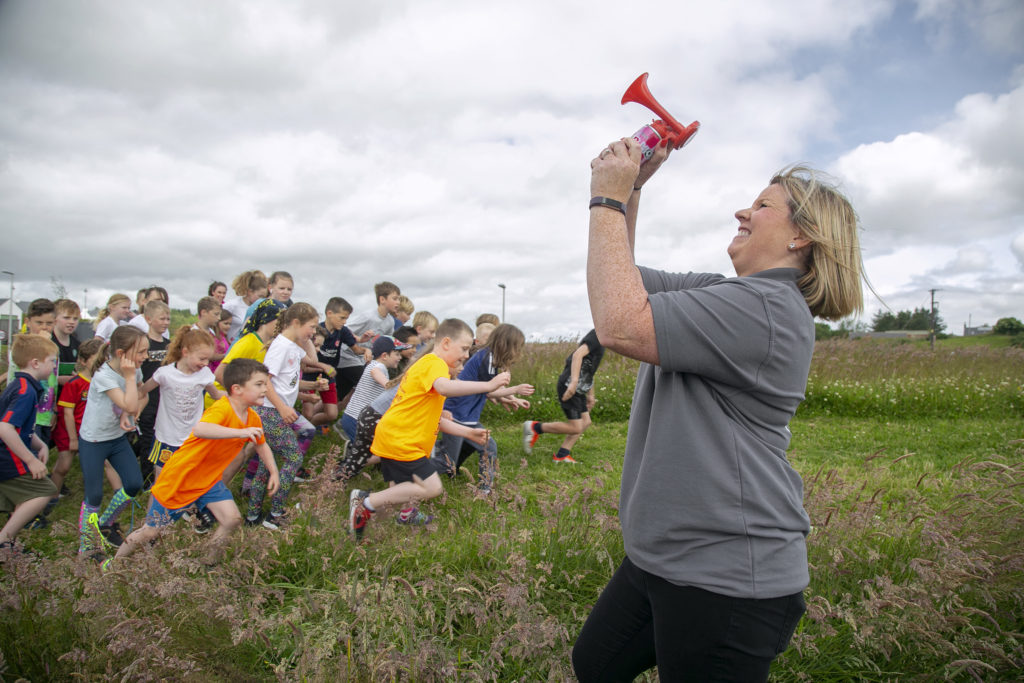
[117, 312]
[183, 378]
[295, 329]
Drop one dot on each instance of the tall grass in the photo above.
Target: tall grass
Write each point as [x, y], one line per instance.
[917, 562]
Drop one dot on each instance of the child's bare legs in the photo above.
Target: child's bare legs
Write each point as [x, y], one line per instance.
[407, 491]
[144, 534]
[327, 414]
[573, 429]
[22, 514]
[61, 469]
[229, 519]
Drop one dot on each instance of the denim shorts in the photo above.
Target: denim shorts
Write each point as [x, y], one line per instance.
[158, 515]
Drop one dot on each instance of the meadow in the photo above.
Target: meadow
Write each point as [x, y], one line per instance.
[914, 481]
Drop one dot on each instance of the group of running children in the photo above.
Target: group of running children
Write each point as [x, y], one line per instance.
[249, 385]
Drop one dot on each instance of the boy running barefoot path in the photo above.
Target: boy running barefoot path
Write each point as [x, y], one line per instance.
[405, 435]
[193, 475]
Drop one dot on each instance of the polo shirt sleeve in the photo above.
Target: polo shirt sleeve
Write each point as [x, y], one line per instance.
[722, 332]
[663, 281]
[24, 403]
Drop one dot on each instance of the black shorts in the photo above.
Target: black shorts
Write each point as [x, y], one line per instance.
[400, 471]
[348, 378]
[575, 406]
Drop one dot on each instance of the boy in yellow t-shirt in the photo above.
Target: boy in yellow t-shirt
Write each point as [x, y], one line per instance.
[193, 474]
[407, 431]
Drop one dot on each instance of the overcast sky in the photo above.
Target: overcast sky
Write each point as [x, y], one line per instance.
[445, 146]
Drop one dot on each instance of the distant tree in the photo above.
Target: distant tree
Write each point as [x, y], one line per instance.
[918, 319]
[59, 290]
[1008, 326]
[884, 321]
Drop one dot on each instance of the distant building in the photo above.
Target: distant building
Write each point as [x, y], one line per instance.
[975, 331]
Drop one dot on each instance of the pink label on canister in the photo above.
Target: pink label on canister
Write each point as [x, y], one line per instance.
[648, 139]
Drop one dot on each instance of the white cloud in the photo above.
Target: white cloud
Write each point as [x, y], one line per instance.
[442, 145]
[1017, 247]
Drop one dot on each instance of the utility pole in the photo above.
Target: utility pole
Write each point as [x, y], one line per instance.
[932, 335]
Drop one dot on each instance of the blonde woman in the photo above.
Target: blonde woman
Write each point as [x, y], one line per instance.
[712, 515]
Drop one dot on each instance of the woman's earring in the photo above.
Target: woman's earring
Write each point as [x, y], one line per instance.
[792, 246]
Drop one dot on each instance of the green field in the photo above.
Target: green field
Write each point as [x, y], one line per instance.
[914, 482]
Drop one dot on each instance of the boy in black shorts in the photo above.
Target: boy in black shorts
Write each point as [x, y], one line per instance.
[576, 393]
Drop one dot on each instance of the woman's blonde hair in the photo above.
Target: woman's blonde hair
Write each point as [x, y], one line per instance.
[832, 284]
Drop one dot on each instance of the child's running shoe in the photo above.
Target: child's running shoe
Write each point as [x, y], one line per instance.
[274, 522]
[40, 521]
[302, 475]
[105, 565]
[529, 436]
[253, 521]
[112, 533]
[358, 514]
[414, 518]
[206, 521]
[563, 458]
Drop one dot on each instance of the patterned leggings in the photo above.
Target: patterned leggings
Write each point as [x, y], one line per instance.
[358, 450]
[284, 444]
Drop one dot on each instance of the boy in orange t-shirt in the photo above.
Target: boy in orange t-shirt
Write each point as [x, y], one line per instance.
[193, 474]
[406, 433]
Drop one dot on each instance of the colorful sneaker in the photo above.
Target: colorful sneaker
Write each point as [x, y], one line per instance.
[529, 436]
[253, 521]
[40, 522]
[358, 515]
[563, 458]
[302, 475]
[206, 521]
[414, 518]
[274, 522]
[112, 533]
[105, 565]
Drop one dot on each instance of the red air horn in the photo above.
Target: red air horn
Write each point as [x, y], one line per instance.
[665, 128]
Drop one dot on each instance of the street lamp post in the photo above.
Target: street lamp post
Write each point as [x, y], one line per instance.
[502, 301]
[10, 318]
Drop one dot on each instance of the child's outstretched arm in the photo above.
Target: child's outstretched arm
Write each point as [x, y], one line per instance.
[523, 389]
[477, 435]
[211, 430]
[458, 387]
